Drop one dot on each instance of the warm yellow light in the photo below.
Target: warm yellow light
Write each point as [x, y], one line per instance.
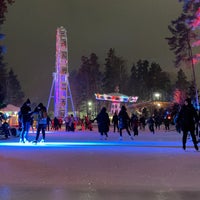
[157, 95]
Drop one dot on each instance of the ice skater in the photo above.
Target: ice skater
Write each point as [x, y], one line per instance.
[151, 123]
[124, 122]
[134, 124]
[187, 118]
[25, 118]
[41, 111]
[115, 121]
[103, 122]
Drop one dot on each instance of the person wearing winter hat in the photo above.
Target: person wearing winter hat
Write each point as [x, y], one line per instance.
[187, 118]
[26, 113]
[124, 122]
[41, 112]
[28, 101]
[103, 122]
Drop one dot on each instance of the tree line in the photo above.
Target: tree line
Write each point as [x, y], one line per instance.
[145, 78]
[10, 88]
[142, 79]
[184, 40]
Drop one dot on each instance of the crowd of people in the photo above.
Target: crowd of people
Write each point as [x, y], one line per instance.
[27, 117]
[186, 121]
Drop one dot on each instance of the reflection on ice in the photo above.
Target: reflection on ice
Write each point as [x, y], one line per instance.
[97, 143]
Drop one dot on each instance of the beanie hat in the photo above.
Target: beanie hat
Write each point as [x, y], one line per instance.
[123, 108]
[40, 105]
[103, 109]
[28, 101]
[188, 100]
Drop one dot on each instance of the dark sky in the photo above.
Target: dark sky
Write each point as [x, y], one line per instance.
[135, 28]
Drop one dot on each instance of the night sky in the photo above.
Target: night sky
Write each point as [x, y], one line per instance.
[135, 28]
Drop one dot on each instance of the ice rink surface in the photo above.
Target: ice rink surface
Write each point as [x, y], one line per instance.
[80, 166]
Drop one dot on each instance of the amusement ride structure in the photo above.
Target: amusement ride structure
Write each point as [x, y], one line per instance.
[60, 89]
[116, 99]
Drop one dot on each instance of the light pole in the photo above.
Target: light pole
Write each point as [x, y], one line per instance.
[89, 107]
[157, 96]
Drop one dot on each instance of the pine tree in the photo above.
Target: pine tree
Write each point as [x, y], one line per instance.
[14, 92]
[146, 79]
[87, 81]
[4, 9]
[3, 77]
[159, 81]
[143, 73]
[133, 82]
[182, 82]
[184, 36]
[181, 87]
[115, 73]
[3, 72]
[95, 74]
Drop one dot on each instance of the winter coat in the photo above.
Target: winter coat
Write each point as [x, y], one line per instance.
[124, 119]
[134, 121]
[26, 113]
[115, 119]
[187, 118]
[103, 122]
[42, 115]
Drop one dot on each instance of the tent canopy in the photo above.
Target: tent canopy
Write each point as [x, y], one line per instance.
[10, 108]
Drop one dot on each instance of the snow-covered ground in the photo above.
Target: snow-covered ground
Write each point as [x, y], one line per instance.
[80, 166]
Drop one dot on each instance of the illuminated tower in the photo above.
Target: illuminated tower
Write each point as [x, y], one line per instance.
[60, 85]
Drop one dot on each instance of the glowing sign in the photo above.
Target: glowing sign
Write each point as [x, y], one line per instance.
[113, 98]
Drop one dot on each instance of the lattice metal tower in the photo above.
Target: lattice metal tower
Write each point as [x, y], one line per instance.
[60, 85]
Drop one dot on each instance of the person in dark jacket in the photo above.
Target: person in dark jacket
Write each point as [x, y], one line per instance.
[124, 122]
[56, 123]
[134, 124]
[26, 113]
[188, 118]
[48, 122]
[115, 122]
[151, 123]
[103, 122]
[41, 111]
